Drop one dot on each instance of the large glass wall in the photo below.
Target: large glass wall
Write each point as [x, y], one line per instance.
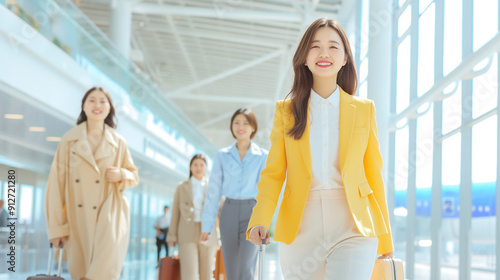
[445, 63]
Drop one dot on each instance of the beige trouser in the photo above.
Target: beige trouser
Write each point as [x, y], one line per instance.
[197, 259]
[328, 244]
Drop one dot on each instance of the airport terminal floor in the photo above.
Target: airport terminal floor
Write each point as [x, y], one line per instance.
[125, 122]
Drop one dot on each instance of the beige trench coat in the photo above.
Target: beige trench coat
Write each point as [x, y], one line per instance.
[182, 222]
[91, 213]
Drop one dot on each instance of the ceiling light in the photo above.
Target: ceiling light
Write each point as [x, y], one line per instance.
[53, 139]
[37, 128]
[14, 116]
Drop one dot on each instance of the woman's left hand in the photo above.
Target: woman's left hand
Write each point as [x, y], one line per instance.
[390, 255]
[204, 237]
[113, 174]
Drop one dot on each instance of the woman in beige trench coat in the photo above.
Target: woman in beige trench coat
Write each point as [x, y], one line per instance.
[196, 259]
[85, 205]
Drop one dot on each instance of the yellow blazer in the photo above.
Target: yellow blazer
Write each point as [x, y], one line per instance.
[360, 166]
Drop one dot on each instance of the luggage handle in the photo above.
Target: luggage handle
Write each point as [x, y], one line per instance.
[262, 250]
[59, 266]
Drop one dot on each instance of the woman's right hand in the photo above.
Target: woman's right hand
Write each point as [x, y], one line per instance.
[257, 233]
[57, 241]
[204, 237]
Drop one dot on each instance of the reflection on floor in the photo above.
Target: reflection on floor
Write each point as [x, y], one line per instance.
[146, 270]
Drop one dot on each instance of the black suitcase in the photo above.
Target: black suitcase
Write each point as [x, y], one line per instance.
[59, 268]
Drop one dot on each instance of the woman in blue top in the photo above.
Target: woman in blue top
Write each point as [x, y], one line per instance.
[235, 173]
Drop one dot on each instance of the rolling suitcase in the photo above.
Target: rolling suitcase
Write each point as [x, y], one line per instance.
[220, 271]
[388, 269]
[48, 276]
[169, 269]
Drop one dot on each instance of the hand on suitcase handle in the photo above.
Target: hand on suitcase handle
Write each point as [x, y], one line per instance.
[56, 241]
[390, 255]
[258, 234]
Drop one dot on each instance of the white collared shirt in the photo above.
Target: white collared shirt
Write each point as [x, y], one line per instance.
[198, 196]
[324, 140]
[163, 222]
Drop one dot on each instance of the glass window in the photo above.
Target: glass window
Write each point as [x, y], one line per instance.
[363, 70]
[404, 21]
[485, 91]
[26, 205]
[452, 110]
[452, 55]
[400, 191]
[450, 196]
[423, 4]
[403, 75]
[363, 91]
[365, 26]
[485, 21]
[423, 169]
[484, 150]
[484, 166]
[39, 204]
[352, 42]
[426, 50]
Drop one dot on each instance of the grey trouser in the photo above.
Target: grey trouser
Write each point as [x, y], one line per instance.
[240, 255]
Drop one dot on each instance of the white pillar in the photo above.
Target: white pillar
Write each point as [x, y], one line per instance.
[120, 25]
[379, 67]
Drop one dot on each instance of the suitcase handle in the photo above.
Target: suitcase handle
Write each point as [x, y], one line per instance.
[262, 250]
[59, 266]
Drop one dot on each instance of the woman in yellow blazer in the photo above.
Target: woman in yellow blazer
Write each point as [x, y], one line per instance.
[334, 214]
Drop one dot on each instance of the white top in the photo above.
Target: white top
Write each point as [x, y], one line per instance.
[163, 222]
[198, 196]
[324, 140]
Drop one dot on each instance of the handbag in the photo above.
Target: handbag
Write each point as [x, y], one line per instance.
[387, 268]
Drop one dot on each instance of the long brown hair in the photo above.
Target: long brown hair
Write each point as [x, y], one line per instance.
[347, 78]
[110, 119]
[197, 156]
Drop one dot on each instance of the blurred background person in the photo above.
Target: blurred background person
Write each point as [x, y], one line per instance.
[3, 214]
[161, 226]
[235, 174]
[196, 258]
[85, 205]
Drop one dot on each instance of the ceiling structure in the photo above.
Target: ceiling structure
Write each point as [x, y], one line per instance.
[212, 57]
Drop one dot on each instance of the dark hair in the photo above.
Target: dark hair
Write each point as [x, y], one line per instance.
[197, 156]
[347, 78]
[110, 119]
[166, 207]
[252, 119]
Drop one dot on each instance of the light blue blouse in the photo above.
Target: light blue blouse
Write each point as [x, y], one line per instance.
[232, 177]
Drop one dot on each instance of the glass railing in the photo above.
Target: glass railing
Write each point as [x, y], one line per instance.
[62, 23]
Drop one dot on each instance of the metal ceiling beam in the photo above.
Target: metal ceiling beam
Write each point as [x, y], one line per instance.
[266, 42]
[227, 73]
[182, 47]
[224, 116]
[220, 98]
[216, 12]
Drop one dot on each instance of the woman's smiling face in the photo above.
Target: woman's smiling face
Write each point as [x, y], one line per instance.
[96, 106]
[326, 54]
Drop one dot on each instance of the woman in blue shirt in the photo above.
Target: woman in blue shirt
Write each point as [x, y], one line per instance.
[235, 173]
